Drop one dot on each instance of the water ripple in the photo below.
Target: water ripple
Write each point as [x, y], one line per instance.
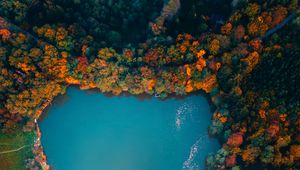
[193, 161]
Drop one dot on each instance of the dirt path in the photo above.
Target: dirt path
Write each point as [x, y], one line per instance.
[13, 150]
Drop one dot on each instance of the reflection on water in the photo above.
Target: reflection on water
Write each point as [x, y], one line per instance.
[61, 100]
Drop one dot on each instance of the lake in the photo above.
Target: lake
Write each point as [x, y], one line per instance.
[91, 131]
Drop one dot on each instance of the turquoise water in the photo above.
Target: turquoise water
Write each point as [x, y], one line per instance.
[91, 131]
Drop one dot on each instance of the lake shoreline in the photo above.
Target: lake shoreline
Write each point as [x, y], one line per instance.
[71, 91]
[40, 156]
[61, 99]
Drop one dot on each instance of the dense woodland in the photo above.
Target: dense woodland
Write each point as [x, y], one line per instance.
[245, 56]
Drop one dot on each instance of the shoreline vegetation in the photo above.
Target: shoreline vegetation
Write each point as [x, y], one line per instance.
[255, 118]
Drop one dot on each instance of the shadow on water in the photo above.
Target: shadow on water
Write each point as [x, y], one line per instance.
[59, 100]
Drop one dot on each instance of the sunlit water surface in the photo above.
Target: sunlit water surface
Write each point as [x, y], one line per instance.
[91, 131]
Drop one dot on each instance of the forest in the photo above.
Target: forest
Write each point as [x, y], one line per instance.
[244, 56]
